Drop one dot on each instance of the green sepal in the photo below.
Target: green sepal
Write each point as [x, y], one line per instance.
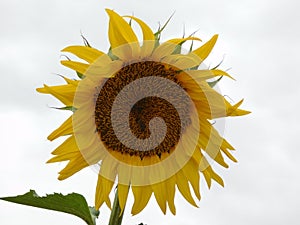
[191, 47]
[177, 49]
[94, 213]
[85, 41]
[70, 108]
[80, 75]
[157, 34]
[74, 204]
[111, 55]
[219, 64]
[213, 83]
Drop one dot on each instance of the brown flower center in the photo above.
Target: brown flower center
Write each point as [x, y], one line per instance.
[142, 111]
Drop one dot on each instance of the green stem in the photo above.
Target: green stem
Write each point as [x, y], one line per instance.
[115, 217]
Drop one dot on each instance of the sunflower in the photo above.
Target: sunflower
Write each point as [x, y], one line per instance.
[142, 115]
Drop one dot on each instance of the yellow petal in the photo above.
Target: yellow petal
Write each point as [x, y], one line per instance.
[207, 178]
[210, 141]
[63, 157]
[148, 34]
[103, 189]
[191, 172]
[220, 159]
[120, 32]
[74, 166]
[64, 93]
[65, 129]
[221, 73]
[160, 194]
[77, 66]
[234, 110]
[70, 81]
[122, 195]
[227, 153]
[170, 185]
[183, 187]
[207, 101]
[168, 47]
[69, 150]
[84, 52]
[225, 145]
[141, 195]
[108, 168]
[68, 146]
[148, 37]
[180, 61]
[210, 174]
[178, 41]
[216, 177]
[205, 49]
[201, 75]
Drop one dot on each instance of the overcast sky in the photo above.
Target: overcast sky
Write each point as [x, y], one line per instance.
[260, 41]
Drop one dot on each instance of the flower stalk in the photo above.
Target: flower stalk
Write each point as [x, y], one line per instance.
[116, 216]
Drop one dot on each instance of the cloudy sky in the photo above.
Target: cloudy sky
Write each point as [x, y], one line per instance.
[260, 41]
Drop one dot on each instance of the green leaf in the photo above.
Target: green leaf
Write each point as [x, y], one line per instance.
[74, 204]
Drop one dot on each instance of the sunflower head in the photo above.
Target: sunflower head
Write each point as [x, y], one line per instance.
[142, 115]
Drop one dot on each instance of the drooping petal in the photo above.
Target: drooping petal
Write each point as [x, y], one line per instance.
[122, 195]
[103, 189]
[141, 195]
[190, 170]
[183, 187]
[160, 194]
[224, 147]
[209, 174]
[210, 141]
[212, 175]
[170, 185]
